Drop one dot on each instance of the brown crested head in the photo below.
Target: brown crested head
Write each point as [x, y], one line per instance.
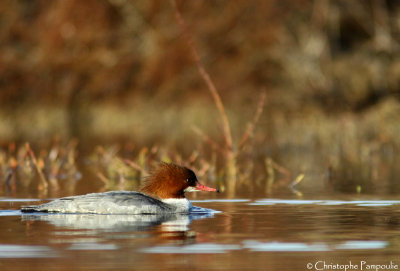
[172, 181]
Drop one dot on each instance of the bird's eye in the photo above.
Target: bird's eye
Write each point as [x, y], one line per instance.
[187, 180]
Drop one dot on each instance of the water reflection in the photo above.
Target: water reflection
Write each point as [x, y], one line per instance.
[205, 248]
[257, 246]
[278, 246]
[22, 251]
[362, 245]
[121, 223]
[92, 246]
[285, 233]
[367, 203]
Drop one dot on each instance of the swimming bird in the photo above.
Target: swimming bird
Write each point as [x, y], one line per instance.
[163, 193]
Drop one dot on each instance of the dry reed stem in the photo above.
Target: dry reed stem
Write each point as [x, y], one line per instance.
[251, 125]
[43, 182]
[206, 166]
[282, 170]
[298, 179]
[207, 139]
[270, 175]
[193, 157]
[135, 166]
[103, 178]
[122, 180]
[206, 77]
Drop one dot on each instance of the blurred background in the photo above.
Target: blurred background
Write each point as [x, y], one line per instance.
[116, 79]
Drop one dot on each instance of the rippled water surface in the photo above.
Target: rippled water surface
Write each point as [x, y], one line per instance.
[247, 234]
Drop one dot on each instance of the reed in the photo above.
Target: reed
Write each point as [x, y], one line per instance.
[230, 150]
[43, 185]
[21, 169]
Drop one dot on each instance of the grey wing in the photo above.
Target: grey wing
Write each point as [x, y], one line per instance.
[140, 200]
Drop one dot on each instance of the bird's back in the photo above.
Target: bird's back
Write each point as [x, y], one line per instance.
[113, 202]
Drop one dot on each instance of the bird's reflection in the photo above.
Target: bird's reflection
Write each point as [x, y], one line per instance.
[122, 223]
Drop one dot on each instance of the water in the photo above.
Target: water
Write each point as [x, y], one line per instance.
[247, 234]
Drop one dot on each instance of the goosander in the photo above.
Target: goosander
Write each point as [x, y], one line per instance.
[163, 193]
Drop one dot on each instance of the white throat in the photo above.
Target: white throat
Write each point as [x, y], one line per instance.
[181, 205]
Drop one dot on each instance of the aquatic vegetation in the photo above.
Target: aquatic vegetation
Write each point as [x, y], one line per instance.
[22, 169]
[319, 85]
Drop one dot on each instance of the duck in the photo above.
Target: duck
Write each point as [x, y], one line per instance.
[163, 192]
